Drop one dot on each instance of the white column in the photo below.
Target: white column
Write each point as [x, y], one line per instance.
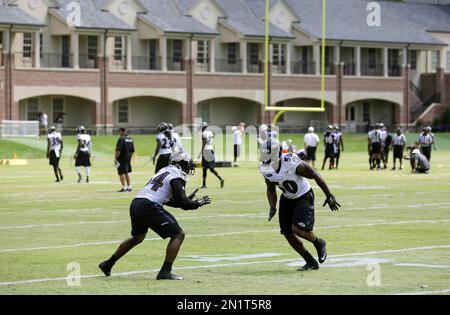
[337, 55]
[129, 54]
[243, 53]
[288, 58]
[316, 56]
[163, 53]
[386, 62]
[5, 42]
[74, 49]
[404, 57]
[212, 56]
[101, 44]
[443, 59]
[358, 60]
[37, 49]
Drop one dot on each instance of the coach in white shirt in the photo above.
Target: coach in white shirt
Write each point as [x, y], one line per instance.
[311, 141]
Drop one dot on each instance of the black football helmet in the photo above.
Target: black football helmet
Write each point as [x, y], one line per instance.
[204, 126]
[163, 127]
[184, 161]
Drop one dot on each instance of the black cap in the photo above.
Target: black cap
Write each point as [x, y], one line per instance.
[122, 129]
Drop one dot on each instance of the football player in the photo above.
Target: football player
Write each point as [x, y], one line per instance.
[208, 156]
[426, 142]
[330, 147]
[376, 147]
[339, 144]
[55, 146]
[177, 145]
[369, 147]
[83, 154]
[164, 145]
[399, 147]
[296, 215]
[166, 188]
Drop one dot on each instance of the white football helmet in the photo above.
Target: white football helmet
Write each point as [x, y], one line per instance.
[271, 152]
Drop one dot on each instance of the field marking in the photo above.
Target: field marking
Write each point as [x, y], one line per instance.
[128, 273]
[424, 292]
[420, 265]
[217, 234]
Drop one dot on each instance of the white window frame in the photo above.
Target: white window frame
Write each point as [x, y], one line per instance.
[203, 51]
[232, 54]
[27, 45]
[279, 55]
[89, 48]
[53, 106]
[253, 53]
[177, 54]
[118, 48]
[435, 54]
[119, 111]
[37, 109]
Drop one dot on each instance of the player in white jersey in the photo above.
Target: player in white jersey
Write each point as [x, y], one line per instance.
[296, 216]
[339, 144]
[369, 148]
[55, 146]
[399, 147]
[177, 145]
[164, 145]
[166, 188]
[83, 154]
[208, 156]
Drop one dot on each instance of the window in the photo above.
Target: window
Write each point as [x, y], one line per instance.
[413, 59]
[232, 53]
[33, 109]
[205, 112]
[27, 44]
[1, 40]
[65, 49]
[434, 59]
[123, 112]
[372, 58]
[254, 53]
[152, 54]
[118, 48]
[177, 50]
[202, 51]
[366, 111]
[448, 61]
[92, 47]
[58, 108]
[279, 52]
[41, 41]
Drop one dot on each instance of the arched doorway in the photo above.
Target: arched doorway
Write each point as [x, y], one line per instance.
[360, 114]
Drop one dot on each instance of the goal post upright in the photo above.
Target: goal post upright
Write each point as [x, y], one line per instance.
[268, 106]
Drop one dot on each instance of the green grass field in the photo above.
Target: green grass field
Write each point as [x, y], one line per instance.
[394, 225]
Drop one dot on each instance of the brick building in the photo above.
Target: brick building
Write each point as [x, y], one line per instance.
[138, 62]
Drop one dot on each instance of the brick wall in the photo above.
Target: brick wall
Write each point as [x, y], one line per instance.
[368, 84]
[57, 78]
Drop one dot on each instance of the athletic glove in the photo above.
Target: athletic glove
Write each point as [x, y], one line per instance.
[191, 196]
[272, 213]
[332, 203]
[204, 201]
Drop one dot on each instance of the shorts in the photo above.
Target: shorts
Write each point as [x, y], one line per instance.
[124, 168]
[237, 150]
[83, 159]
[311, 153]
[163, 161]
[146, 214]
[298, 212]
[398, 152]
[375, 148]
[427, 152]
[208, 164]
[329, 151]
[53, 160]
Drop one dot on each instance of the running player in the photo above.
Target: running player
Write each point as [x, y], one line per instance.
[166, 188]
[55, 146]
[208, 156]
[296, 216]
[83, 154]
[164, 145]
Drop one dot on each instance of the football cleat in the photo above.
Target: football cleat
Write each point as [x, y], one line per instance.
[322, 251]
[168, 276]
[79, 179]
[308, 267]
[122, 190]
[222, 183]
[105, 267]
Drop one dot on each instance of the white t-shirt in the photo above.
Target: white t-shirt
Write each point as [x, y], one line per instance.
[158, 188]
[237, 137]
[311, 139]
[55, 139]
[293, 185]
[85, 142]
[209, 137]
[44, 119]
[166, 144]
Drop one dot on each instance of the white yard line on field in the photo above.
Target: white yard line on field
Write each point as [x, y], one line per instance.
[9, 250]
[424, 292]
[420, 265]
[227, 265]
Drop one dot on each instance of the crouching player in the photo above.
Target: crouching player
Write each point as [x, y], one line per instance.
[296, 214]
[166, 188]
